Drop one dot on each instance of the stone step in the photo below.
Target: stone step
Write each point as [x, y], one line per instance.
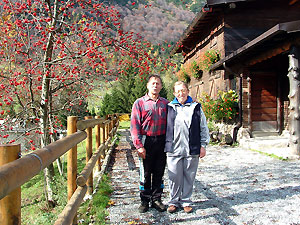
[277, 145]
[264, 133]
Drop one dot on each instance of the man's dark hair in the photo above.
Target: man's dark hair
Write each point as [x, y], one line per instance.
[155, 76]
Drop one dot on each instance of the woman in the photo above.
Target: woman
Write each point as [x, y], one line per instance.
[186, 139]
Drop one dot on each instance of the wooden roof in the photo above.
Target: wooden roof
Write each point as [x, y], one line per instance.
[218, 2]
[200, 23]
[274, 41]
[209, 13]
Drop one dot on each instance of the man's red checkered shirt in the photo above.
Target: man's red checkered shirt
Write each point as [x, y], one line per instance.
[148, 117]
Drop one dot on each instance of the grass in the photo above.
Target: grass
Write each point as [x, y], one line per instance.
[94, 211]
[270, 155]
[34, 209]
[124, 125]
[235, 144]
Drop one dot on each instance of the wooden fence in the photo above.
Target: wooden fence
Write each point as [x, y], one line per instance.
[15, 171]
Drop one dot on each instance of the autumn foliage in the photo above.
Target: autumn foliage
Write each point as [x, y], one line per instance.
[52, 53]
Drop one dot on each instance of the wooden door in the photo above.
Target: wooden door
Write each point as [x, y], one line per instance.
[264, 102]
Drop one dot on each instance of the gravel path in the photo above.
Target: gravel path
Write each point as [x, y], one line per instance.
[232, 186]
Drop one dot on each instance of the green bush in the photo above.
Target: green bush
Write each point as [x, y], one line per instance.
[222, 109]
[211, 126]
[197, 72]
[208, 58]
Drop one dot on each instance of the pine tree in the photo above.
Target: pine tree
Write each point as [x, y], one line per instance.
[106, 105]
[139, 89]
[125, 87]
[129, 88]
[163, 93]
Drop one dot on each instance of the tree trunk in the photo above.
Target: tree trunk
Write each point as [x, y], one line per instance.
[53, 139]
[44, 120]
[48, 181]
[294, 96]
[45, 140]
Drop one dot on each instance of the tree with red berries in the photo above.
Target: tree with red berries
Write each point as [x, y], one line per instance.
[55, 48]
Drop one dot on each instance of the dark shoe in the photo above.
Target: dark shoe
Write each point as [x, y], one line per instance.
[144, 207]
[159, 206]
[172, 209]
[188, 209]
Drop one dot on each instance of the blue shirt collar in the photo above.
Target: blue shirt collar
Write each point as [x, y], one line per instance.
[175, 101]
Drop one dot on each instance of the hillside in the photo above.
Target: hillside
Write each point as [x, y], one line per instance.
[161, 22]
[158, 21]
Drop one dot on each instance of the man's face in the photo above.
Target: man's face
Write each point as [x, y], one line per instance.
[154, 86]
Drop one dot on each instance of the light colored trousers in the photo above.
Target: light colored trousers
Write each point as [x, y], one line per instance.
[182, 173]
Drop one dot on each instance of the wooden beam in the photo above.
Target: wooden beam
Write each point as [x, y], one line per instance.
[84, 124]
[68, 214]
[89, 153]
[269, 54]
[292, 2]
[21, 170]
[10, 206]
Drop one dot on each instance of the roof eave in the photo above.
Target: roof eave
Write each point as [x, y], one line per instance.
[288, 27]
[219, 2]
[188, 31]
[205, 10]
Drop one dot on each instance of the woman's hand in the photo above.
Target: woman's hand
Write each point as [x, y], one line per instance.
[202, 152]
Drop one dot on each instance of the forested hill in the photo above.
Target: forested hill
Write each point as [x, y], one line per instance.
[158, 21]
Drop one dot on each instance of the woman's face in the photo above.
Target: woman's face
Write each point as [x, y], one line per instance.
[181, 93]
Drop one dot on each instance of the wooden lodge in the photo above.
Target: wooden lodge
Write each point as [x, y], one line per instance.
[259, 47]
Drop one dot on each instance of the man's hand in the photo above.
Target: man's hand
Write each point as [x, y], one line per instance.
[142, 153]
[202, 152]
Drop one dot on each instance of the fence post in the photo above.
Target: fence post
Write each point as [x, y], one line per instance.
[10, 205]
[111, 124]
[72, 161]
[89, 153]
[102, 137]
[115, 120]
[106, 128]
[98, 141]
[107, 131]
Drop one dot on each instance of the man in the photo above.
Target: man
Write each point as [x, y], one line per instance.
[148, 129]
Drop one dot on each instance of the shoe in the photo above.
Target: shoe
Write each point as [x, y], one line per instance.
[159, 206]
[144, 207]
[188, 209]
[172, 209]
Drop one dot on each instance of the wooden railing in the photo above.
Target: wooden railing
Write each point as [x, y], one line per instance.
[14, 173]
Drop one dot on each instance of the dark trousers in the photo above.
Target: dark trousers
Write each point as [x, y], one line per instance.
[154, 167]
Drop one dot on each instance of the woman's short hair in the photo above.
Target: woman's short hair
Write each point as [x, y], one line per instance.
[180, 83]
